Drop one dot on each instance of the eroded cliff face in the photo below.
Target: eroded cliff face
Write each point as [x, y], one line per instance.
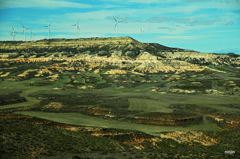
[123, 53]
[205, 58]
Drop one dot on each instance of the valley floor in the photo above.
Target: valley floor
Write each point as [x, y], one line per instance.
[49, 109]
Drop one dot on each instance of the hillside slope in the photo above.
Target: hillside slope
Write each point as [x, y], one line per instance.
[122, 52]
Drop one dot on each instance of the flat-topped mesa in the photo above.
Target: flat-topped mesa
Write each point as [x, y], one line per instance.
[70, 45]
[112, 48]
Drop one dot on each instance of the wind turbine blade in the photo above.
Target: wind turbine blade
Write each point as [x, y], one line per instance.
[78, 20]
[78, 27]
[115, 25]
[115, 19]
[13, 28]
[50, 24]
[74, 25]
[23, 26]
[120, 21]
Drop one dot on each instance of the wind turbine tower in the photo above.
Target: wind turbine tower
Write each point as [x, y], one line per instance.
[77, 26]
[24, 31]
[13, 34]
[32, 35]
[141, 34]
[49, 26]
[116, 24]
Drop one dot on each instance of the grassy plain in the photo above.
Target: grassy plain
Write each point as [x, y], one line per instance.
[141, 98]
[84, 120]
[13, 86]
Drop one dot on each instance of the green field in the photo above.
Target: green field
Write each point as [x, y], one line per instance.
[148, 105]
[84, 120]
[140, 98]
[8, 87]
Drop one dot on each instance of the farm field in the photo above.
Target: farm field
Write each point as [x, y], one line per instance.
[83, 120]
[148, 105]
[124, 115]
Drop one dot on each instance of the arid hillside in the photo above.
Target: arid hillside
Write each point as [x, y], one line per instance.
[122, 53]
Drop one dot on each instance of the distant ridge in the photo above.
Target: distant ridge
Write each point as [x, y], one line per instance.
[120, 47]
[118, 52]
[117, 43]
[106, 44]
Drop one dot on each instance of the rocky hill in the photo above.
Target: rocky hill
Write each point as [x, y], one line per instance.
[92, 45]
[122, 53]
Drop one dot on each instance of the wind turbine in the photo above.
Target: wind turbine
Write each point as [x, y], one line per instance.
[24, 31]
[142, 31]
[49, 30]
[32, 35]
[116, 24]
[13, 34]
[77, 26]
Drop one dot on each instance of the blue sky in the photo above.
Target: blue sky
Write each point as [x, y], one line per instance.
[201, 25]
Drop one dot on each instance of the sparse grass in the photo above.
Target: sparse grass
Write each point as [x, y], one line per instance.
[223, 68]
[60, 83]
[80, 79]
[221, 107]
[148, 105]
[23, 139]
[11, 98]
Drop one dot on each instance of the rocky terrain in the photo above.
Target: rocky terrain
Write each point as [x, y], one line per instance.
[142, 97]
[122, 53]
[120, 56]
